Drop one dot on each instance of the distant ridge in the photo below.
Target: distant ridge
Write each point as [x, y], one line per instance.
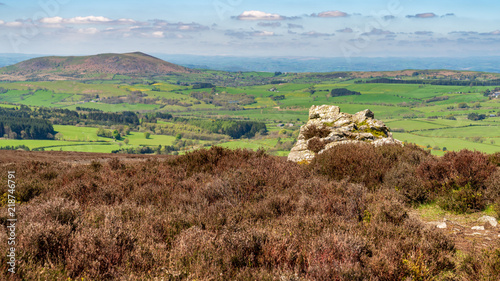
[101, 66]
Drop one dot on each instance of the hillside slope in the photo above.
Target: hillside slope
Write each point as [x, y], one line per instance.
[102, 66]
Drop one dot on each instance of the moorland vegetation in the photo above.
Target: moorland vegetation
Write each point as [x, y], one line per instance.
[221, 214]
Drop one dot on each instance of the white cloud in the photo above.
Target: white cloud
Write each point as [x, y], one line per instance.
[125, 21]
[158, 34]
[89, 19]
[330, 14]
[85, 20]
[89, 31]
[14, 24]
[54, 20]
[263, 33]
[258, 15]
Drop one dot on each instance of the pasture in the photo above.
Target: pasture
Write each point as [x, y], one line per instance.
[416, 112]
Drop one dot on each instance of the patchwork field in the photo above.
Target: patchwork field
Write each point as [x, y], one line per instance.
[420, 114]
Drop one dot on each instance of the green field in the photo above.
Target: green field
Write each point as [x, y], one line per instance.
[415, 112]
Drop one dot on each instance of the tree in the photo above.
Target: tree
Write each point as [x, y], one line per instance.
[178, 136]
[116, 135]
[126, 141]
[475, 117]
[100, 132]
[147, 135]
[311, 90]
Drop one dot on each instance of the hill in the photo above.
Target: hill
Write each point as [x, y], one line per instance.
[100, 66]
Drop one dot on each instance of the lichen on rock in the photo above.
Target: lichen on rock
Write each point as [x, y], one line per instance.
[328, 127]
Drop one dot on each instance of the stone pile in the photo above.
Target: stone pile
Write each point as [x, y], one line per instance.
[328, 127]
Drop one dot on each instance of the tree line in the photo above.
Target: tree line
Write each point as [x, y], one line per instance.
[232, 128]
[16, 124]
[343, 92]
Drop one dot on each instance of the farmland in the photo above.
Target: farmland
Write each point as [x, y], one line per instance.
[432, 116]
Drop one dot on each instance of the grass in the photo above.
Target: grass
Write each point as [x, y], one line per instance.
[115, 107]
[432, 212]
[87, 147]
[470, 131]
[32, 144]
[450, 143]
[79, 133]
[383, 99]
[411, 125]
[137, 138]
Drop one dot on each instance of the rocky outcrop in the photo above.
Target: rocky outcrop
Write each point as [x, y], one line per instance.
[328, 127]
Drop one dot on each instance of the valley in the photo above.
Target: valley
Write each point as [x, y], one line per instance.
[436, 117]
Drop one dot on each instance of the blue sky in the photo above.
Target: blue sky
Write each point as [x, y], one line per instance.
[326, 28]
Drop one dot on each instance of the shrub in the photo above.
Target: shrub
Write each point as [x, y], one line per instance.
[45, 242]
[470, 167]
[485, 264]
[353, 161]
[456, 169]
[364, 163]
[27, 190]
[99, 253]
[459, 178]
[404, 179]
[221, 214]
[462, 200]
[495, 158]
[338, 256]
[115, 164]
[316, 144]
[315, 131]
[95, 165]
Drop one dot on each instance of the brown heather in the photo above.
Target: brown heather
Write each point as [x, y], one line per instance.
[222, 214]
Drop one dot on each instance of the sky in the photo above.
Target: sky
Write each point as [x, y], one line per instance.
[315, 28]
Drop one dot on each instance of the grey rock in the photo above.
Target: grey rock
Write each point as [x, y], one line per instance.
[488, 219]
[441, 225]
[323, 111]
[343, 127]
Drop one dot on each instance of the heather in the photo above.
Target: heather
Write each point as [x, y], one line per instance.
[221, 214]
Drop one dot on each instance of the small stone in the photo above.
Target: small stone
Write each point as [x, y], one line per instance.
[477, 227]
[488, 219]
[441, 225]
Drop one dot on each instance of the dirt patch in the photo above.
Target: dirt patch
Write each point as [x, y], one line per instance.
[466, 230]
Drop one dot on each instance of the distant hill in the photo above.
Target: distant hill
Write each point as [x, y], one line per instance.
[102, 66]
[329, 64]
